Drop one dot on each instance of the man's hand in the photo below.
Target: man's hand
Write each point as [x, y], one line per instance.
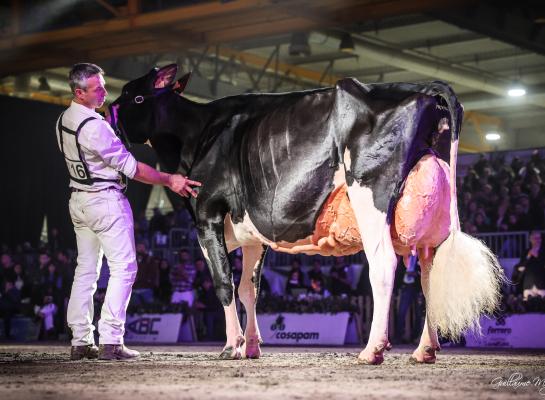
[182, 185]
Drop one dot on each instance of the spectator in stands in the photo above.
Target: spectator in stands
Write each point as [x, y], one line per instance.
[6, 273]
[142, 221]
[36, 271]
[147, 277]
[54, 241]
[501, 215]
[410, 292]
[264, 287]
[46, 313]
[296, 279]
[513, 223]
[53, 279]
[211, 308]
[183, 217]
[10, 301]
[181, 279]
[481, 223]
[164, 291]
[338, 278]
[63, 266]
[532, 267]
[157, 222]
[20, 281]
[201, 272]
[316, 274]
[511, 196]
[53, 285]
[185, 258]
[141, 235]
[317, 289]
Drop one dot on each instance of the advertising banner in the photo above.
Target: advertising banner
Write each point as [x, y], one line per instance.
[514, 331]
[153, 328]
[303, 329]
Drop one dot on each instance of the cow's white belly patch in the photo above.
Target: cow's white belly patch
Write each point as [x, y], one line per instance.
[242, 233]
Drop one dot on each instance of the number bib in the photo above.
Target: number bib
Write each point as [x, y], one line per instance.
[69, 145]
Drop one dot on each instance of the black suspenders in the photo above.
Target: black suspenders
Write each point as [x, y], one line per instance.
[88, 179]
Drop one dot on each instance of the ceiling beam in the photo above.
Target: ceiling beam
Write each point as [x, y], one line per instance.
[496, 55]
[235, 20]
[500, 22]
[483, 101]
[322, 57]
[141, 21]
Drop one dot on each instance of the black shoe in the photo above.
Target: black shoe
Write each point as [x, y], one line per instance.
[89, 351]
[116, 352]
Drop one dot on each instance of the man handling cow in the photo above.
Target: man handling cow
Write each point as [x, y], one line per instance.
[98, 163]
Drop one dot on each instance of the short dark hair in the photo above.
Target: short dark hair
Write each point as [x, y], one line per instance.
[77, 77]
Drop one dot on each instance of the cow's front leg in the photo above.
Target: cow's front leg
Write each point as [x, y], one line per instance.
[429, 342]
[253, 257]
[377, 244]
[215, 252]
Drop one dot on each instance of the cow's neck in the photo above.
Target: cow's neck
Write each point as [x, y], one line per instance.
[185, 120]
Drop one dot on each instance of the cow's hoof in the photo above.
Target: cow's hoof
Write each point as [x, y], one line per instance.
[233, 352]
[253, 351]
[425, 355]
[376, 356]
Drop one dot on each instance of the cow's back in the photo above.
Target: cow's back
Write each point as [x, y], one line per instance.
[288, 163]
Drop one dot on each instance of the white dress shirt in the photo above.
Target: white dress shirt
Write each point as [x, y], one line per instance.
[101, 150]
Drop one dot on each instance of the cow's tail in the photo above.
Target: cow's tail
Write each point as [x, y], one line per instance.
[456, 111]
[465, 278]
[464, 282]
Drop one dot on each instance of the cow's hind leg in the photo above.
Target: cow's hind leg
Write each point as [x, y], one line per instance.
[215, 252]
[377, 244]
[429, 342]
[248, 290]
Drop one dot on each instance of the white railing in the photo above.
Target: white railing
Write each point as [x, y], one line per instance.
[503, 244]
[506, 244]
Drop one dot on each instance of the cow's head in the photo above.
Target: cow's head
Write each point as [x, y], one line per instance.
[134, 112]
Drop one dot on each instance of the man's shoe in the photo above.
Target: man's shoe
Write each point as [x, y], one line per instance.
[89, 351]
[116, 352]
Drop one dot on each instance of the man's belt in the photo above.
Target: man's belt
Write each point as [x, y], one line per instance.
[72, 189]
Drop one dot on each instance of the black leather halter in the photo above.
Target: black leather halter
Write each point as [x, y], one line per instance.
[139, 99]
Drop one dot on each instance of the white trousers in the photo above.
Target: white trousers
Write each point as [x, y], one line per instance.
[103, 223]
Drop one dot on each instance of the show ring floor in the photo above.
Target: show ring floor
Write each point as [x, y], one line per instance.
[44, 371]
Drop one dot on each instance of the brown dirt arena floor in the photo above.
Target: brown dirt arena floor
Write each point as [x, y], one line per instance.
[193, 372]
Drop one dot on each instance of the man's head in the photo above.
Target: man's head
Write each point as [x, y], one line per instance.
[44, 259]
[8, 285]
[200, 265]
[87, 83]
[52, 268]
[185, 257]
[535, 238]
[141, 248]
[6, 260]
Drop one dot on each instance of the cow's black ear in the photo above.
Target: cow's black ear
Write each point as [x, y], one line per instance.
[181, 84]
[165, 76]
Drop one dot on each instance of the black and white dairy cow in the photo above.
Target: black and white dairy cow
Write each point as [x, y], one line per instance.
[330, 171]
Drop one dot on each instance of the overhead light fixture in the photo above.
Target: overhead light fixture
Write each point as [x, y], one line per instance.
[516, 90]
[347, 43]
[493, 136]
[44, 85]
[299, 45]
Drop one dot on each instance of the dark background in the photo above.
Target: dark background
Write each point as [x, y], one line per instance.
[35, 179]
